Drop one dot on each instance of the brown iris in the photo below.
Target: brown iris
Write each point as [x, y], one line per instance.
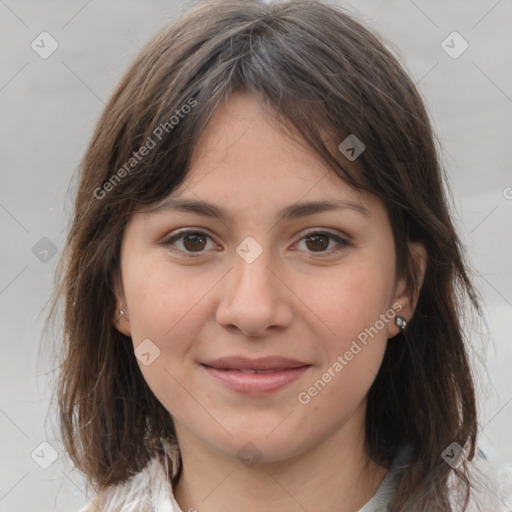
[194, 241]
[319, 242]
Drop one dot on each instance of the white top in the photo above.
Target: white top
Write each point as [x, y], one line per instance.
[150, 490]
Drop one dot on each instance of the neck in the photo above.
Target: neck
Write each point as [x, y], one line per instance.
[336, 474]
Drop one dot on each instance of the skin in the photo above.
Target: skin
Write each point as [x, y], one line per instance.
[290, 301]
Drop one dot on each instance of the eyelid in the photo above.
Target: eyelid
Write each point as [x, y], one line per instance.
[323, 231]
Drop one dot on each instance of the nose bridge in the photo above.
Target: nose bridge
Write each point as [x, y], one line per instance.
[254, 299]
[252, 272]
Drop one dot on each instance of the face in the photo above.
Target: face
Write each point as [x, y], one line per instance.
[250, 325]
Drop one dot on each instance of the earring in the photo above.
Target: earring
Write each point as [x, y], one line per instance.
[401, 322]
[121, 313]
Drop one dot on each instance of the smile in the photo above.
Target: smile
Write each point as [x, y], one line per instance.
[256, 381]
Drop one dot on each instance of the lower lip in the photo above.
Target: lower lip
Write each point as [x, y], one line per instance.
[256, 383]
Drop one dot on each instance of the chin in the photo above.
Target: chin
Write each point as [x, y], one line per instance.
[258, 446]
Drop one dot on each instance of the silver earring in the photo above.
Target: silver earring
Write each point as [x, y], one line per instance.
[401, 322]
[121, 312]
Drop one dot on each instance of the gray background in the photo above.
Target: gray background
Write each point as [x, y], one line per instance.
[48, 112]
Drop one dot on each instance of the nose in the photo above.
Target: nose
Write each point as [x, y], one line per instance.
[255, 298]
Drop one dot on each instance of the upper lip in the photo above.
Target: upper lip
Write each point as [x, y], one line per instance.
[263, 363]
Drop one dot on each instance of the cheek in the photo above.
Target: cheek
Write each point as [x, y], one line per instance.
[352, 306]
[163, 303]
[165, 307]
[350, 300]
[168, 306]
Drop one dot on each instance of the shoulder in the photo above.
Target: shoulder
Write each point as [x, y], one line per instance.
[149, 490]
[490, 485]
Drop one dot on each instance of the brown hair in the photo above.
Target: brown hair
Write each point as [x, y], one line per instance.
[324, 76]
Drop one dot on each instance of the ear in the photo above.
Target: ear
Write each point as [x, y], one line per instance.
[121, 321]
[404, 302]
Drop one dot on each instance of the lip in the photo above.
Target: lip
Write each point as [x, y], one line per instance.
[262, 363]
[234, 372]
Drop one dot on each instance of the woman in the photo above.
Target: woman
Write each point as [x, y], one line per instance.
[263, 285]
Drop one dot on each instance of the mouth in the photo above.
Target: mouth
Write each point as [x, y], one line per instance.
[256, 376]
[260, 372]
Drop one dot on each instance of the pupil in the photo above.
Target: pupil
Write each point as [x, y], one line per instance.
[316, 239]
[196, 239]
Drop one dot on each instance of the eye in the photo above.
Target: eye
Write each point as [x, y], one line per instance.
[318, 241]
[191, 241]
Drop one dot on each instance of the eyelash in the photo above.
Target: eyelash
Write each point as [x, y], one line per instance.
[342, 242]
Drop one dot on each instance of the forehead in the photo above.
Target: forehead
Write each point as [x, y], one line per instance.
[243, 153]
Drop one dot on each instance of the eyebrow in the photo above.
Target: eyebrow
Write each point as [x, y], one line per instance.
[293, 211]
